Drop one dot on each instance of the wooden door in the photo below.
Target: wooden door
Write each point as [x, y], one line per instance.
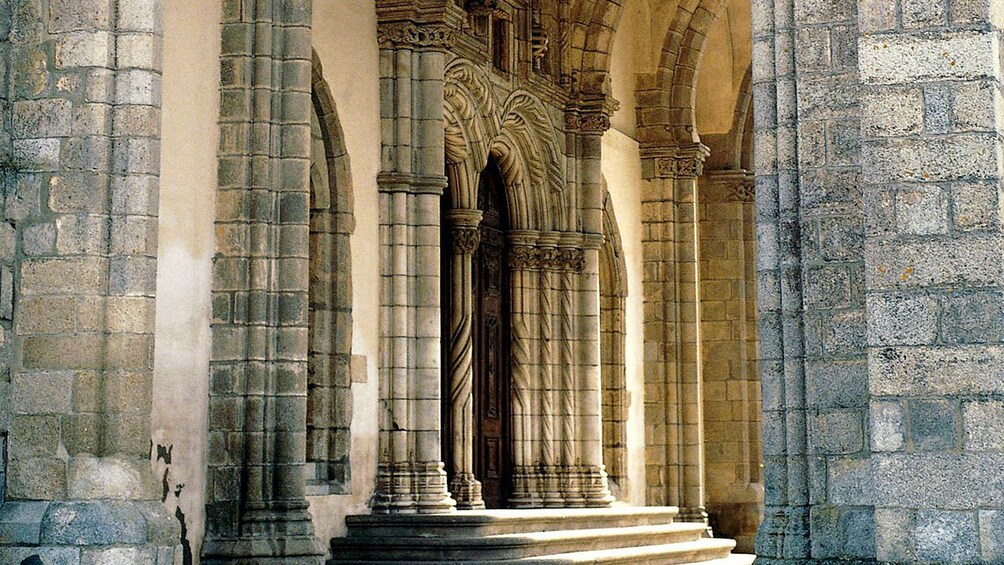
[492, 443]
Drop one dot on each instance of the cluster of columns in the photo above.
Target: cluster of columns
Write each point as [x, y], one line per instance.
[673, 371]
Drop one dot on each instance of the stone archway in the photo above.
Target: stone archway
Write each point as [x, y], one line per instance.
[329, 382]
[556, 428]
[613, 330]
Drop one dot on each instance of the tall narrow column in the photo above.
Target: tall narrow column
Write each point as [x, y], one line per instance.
[523, 261]
[256, 503]
[410, 475]
[589, 119]
[672, 332]
[465, 237]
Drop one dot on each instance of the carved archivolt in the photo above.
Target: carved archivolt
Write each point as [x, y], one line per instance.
[518, 132]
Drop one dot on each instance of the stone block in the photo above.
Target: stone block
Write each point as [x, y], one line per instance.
[918, 14]
[93, 523]
[936, 371]
[902, 319]
[876, 15]
[836, 433]
[33, 119]
[42, 392]
[39, 239]
[35, 154]
[110, 478]
[974, 206]
[21, 522]
[34, 436]
[76, 15]
[950, 481]
[983, 425]
[40, 555]
[84, 49]
[959, 262]
[36, 479]
[973, 317]
[842, 533]
[947, 537]
[922, 211]
[836, 384]
[904, 59]
[934, 424]
[991, 535]
[888, 432]
[895, 535]
[964, 157]
[849, 481]
[119, 556]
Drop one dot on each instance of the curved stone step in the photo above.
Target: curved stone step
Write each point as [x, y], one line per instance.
[704, 552]
[511, 546]
[493, 522]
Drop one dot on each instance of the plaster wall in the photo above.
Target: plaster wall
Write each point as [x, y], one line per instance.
[344, 36]
[190, 137]
[622, 170]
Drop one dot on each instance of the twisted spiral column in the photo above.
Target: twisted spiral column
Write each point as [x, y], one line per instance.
[522, 262]
[466, 237]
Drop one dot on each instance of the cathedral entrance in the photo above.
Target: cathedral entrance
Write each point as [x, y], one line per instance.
[477, 417]
[492, 445]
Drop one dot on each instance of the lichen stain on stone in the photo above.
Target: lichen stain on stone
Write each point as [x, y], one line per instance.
[906, 274]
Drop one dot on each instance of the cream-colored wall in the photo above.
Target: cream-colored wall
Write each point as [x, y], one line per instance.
[622, 170]
[185, 254]
[345, 41]
[727, 57]
[628, 56]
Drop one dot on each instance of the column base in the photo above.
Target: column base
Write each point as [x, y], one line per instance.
[72, 531]
[274, 533]
[412, 488]
[525, 489]
[466, 492]
[784, 534]
[595, 492]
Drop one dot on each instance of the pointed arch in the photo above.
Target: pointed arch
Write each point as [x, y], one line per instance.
[613, 363]
[329, 382]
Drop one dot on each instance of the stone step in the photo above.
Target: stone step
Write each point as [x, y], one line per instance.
[496, 522]
[703, 551]
[511, 546]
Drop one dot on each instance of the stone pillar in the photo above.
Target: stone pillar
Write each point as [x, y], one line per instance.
[466, 236]
[523, 261]
[934, 283]
[79, 168]
[256, 505]
[587, 119]
[555, 435]
[729, 355]
[674, 413]
[410, 475]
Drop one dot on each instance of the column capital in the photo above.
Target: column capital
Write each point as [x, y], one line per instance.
[674, 162]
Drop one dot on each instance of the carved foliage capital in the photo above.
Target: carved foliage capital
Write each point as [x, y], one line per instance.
[528, 258]
[466, 239]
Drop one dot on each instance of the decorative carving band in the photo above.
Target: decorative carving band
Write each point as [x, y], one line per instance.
[596, 123]
[466, 239]
[742, 191]
[415, 36]
[527, 258]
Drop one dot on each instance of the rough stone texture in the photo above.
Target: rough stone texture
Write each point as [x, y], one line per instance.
[76, 125]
